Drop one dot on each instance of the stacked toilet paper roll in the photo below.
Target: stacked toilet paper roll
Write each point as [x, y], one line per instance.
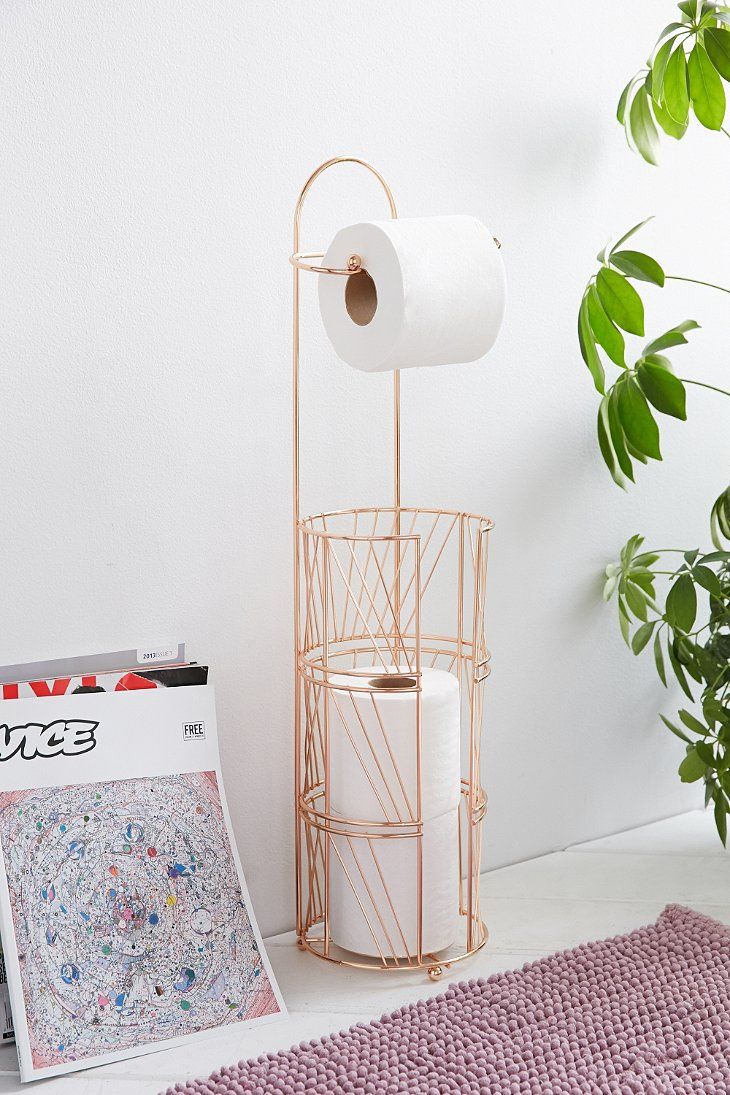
[374, 891]
[431, 291]
[374, 778]
[373, 761]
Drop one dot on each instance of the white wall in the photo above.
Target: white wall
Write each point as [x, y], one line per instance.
[151, 156]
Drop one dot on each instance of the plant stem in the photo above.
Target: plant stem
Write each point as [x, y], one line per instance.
[725, 131]
[662, 551]
[701, 384]
[696, 281]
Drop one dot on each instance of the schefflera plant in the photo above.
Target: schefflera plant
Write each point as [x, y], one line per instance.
[682, 610]
[683, 74]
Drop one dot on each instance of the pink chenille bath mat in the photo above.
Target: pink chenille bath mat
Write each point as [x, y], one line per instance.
[647, 1013]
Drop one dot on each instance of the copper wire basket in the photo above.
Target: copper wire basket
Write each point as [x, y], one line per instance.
[380, 595]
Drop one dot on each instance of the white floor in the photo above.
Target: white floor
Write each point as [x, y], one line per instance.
[587, 892]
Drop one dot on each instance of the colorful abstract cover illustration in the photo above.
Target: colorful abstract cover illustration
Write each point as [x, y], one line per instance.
[129, 917]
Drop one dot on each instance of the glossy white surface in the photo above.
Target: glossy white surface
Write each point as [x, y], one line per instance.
[534, 908]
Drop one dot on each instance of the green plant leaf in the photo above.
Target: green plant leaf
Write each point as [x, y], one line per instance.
[675, 88]
[621, 105]
[681, 606]
[659, 660]
[678, 671]
[658, 68]
[673, 337]
[635, 264]
[686, 652]
[688, 8]
[635, 452]
[707, 578]
[722, 14]
[608, 588]
[716, 557]
[604, 444]
[676, 730]
[711, 709]
[637, 420]
[627, 235]
[643, 578]
[646, 559]
[604, 331]
[636, 600]
[671, 28]
[723, 513]
[717, 44]
[692, 723]
[632, 545]
[616, 435]
[657, 359]
[643, 131]
[692, 767]
[693, 9]
[642, 635]
[588, 350]
[704, 752]
[721, 816]
[664, 391]
[673, 129]
[719, 525]
[706, 90]
[621, 301]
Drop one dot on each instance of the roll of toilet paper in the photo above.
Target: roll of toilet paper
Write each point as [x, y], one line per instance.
[374, 890]
[372, 736]
[431, 292]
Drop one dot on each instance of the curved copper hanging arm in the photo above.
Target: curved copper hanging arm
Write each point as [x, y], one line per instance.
[300, 260]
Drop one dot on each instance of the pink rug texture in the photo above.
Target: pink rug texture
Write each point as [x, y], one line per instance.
[647, 1012]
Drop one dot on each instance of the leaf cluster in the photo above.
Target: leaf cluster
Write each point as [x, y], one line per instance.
[696, 653]
[610, 306]
[684, 73]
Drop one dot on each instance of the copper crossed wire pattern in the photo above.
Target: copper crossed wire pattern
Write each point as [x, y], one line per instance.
[369, 586]
[425, 542]
[354, 595]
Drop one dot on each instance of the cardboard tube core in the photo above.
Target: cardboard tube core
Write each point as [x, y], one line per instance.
[361, 298]
[393, 683]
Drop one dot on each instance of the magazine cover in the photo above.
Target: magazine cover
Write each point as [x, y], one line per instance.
[109, 661]
[125, 680]
[126, 921]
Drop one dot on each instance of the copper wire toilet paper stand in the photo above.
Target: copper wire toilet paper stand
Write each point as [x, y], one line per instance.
[380, 594]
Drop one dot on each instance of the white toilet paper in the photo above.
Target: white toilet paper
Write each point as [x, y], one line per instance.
[432, 293]
[383, 875]
[373, 748]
